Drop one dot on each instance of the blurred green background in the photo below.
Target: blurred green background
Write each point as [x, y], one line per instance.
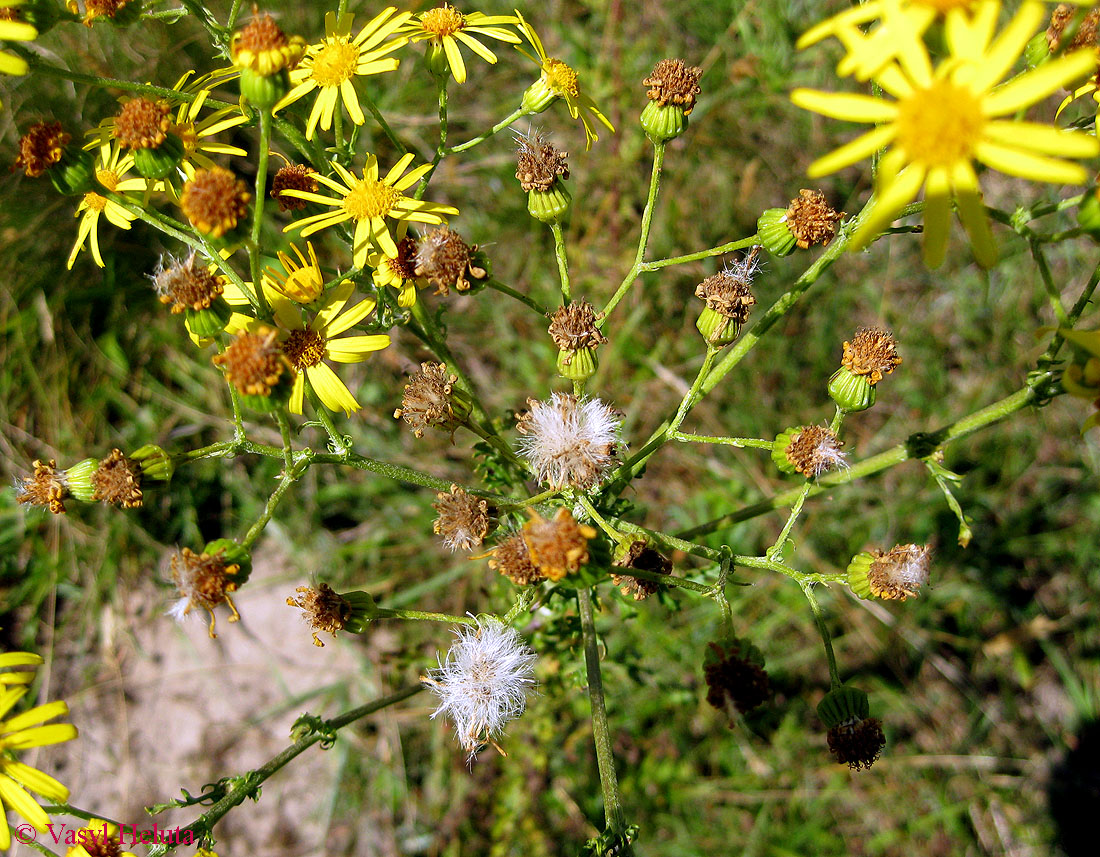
[988, 684]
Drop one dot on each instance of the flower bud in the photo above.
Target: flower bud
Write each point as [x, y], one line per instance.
[774, 232]
[538, 96]
[78, 479]
[854, 738]
[549, 206]
[46, 148]
[1088, 213]
[159, 162]
[263, 90]
[155, 462]
[662, 123]
[231, 553]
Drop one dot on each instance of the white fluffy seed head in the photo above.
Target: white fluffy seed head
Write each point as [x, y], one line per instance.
[570, 440]
[483, 683]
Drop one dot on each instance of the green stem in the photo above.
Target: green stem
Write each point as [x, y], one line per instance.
[39, 67]
[741, 244]
[384, 125]
[441, 148]
[284, 430]
[739, 442]
[826, 637]
[563, 262]
[1051, 289]
[258, 212]
[386, 613]
[776, 550]
[500, 126]
[605, 759]
[288, 479]
[609, 530]
[519, 296]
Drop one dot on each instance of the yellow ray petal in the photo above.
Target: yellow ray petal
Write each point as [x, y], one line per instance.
[331, 390]
[350, 318]
[355, 349]
[861, 147]
[845, 105]
[890, 200]
[37, 782]
[454, 59]
[1038, 83]
[937, 216]
[351, 102]
[1028, 166]
[1045, 139]
[477, 47]
[40, 736]
[36, 715]
[15, 796]
[1004, 52]
[968, 198]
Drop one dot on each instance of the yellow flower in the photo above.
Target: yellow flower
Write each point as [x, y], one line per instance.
[18, 659]
[944, 119]
[111, 169]
[399, 271]
[445, 26]
[558, 80]
[307, 345]
[1083, 381]
[303, 281]
[22, 732]
[331, 64]
[13, 30]
[101, 836]
[369, 201]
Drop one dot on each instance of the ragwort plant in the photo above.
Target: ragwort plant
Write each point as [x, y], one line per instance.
[547, 501]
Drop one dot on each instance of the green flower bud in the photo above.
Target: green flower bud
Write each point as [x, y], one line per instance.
[775, 233]
[549, 206]
[851, 392]
[779, 449]
[843, 704]
[159, 162]
[79, 479]
[155, 462]
[363, 611]
[539, 96]
[717, 329]
[209, 321]
[231, 553]
[1037, 51]
[263, 91]
[579, 365]
[857, 574]
[435, 59]
[662, 123]
[1088, 213]
[74, 174]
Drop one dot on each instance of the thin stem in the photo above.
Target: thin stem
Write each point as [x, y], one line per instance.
[776, 550]
[384, 125]
[39, 67]
[288, 479]
[563, 262]
[284, 430]
[741, 244]
[385, 613]
[826, 637]
[441, 148]
[1051, 289]
[739, 442]
[605, 759]
[258, 212]
[500, 126]
[609, 530]
[519, 296]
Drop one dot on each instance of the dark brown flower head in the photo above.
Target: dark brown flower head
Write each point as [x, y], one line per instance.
[558, 546]
[729, 292]
[644, 558]
[102, 9]
[117, 480]
[900, 572]
[203, 580]
[573, 327]
[404, 263]
[815, 450]
[45, 487]
[445, 260]
[323, 608]
[293, 177]
[142, 123]
[674, 82]
[97, 842]
[214, 200]
[539, 165]
[735, 677]
[187, 284]
[40, 148]
[857, 742]
[811, 220]
[872, 352]
[253, 362]
[429, 400]
[463, 519]
[512, 559]
[1086, 35]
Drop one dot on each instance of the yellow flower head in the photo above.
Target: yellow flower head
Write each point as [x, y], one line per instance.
[331, 64]
[14, 30]
[558, 80]
[23, 732]
[944, 119]
[398, 272]
[369, 201]
[303, 281]
[99, 838]
[111, 169]
[307, 346]
[445, 27]
[10, 660]
[263, 48]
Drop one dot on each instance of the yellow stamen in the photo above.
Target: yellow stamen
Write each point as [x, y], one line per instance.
[444, 21]
[940, 125]
[370, 199]
[560, 77]
[335, 63]
[304, 348]
[95, 202]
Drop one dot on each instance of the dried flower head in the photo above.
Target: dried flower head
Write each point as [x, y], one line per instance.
[729, 292]
[253, 362]
[117, 480]
[1085, 35]
[672, 81]
[899, 573]
[323, 608]
[46, 487]
[644, 558]
[430, 400]
[98, 9]
[463, 519]
[262, 47]
[142, 123]
[483, 683]
[815, 450]
[573, 326]
[512, 559]
[811, 219]
[735, 676]
[569, 440]
[873, 352]
[293, 177]
[214, 200]
[538, 164]
[558, 546]
[187, 284]
[857, 742]
[445, 260]
[203, 580]
[41, 147]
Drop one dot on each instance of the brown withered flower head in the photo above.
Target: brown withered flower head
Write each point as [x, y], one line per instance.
[293, 177]
[811, 220]
[253, 362]
[100, 9]
[463, 520]
[735, 676]
[429, 400]
[857, 742]
[1086, 35]
[445, 260]
[142, 123]
[729, 292]
[117, 481]
[558, 546]
[815, 450]
[899, 573]
[45, 487]
[573, 326]
[512, 559]
[203, 580]
[187, 284]
[873, 352]
[323, 608]
[41, 147]
[673, 81]
[214, 201]
[538, 164]
[642, 557]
